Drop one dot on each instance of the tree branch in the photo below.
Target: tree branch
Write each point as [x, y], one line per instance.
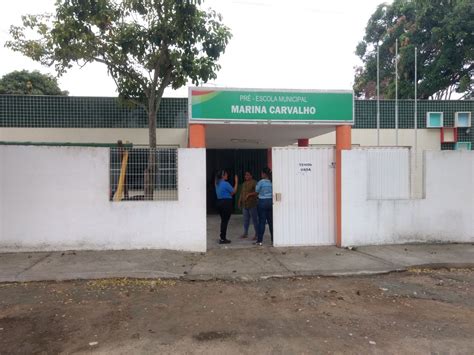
[122, 71]
[165, 82]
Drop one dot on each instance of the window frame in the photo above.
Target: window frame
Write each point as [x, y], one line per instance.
[428, 125]
[456, 119]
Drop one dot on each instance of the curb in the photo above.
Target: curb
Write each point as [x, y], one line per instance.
[236, 277]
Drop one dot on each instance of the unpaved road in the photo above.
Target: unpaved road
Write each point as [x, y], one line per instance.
[421, 311]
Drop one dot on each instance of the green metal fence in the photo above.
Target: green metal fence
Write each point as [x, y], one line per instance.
[366, 112]
[107, 112]
[86, 112]
[366, 115]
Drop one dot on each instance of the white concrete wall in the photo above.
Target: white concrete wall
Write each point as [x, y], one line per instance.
[164, 136]
[446, 214]
[427, 139]
[57, 198]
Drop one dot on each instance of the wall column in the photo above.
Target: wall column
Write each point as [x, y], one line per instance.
[197, 136]
[303, 142]
[343, 142]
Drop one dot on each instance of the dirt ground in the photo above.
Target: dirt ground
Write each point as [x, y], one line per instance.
[421, 311]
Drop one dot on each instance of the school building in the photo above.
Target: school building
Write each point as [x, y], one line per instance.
[346, 172]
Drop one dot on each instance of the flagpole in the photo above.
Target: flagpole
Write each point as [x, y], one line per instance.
[416, 108]
[396, 92]
[378, 97]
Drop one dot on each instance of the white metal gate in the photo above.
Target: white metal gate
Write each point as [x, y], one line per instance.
[304, 196]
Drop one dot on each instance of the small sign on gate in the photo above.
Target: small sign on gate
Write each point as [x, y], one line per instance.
[304, 168]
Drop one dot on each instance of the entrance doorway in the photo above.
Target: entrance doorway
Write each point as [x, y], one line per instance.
[236, 162]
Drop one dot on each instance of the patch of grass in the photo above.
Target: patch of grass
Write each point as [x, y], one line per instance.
[115, 283]
[428, 270]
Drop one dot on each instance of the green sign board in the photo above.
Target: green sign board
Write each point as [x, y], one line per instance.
[286, 106]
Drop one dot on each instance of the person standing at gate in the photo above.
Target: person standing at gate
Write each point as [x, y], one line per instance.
[248, 203]
[265, 204]
[224, 192]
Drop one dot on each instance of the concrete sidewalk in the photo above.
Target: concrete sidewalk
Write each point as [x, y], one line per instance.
[244, 264]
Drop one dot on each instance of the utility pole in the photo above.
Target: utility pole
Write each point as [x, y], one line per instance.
[396, 92]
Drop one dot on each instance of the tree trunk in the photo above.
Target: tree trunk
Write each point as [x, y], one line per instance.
[150, 172]
[154, 101]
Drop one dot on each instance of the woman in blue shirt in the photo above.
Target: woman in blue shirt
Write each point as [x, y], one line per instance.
[265, 204]
[224, 192]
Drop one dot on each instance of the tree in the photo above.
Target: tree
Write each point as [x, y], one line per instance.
[442, 32]
[29, 83]
[147, 46]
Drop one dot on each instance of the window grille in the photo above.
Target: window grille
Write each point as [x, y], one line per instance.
[142, 173]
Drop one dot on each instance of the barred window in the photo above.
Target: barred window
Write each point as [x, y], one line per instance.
[142, 173]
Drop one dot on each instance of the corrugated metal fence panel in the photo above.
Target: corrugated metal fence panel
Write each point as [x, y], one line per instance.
[388, 173]
[304, 202]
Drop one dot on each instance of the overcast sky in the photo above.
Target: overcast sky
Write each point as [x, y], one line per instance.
[299, 44]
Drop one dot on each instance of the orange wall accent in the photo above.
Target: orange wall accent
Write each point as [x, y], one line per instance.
[343, 142]
[197, 136]
[343, 137]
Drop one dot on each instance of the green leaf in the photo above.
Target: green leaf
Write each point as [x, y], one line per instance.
[146, 45]
[29, 83]
[441, 30]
